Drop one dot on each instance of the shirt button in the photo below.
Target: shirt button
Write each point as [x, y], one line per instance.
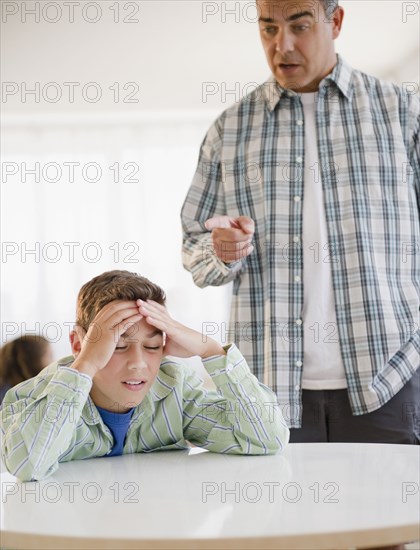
[297, 387]
[297, 279]
[229, 367]
[296, 198]
[299, 363]
[296, 239]
[299, 159]
[299, 321]
[299, 122]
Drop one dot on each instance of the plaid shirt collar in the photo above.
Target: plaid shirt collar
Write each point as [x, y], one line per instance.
[341, 76]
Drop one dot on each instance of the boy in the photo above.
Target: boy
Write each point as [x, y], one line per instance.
[119, 394]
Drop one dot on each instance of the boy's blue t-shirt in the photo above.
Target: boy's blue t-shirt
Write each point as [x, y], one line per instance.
[118, 424]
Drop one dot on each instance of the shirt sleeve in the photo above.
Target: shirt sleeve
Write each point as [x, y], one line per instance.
[39, 418]
[241, 417]
[414, 153]
[204, 200]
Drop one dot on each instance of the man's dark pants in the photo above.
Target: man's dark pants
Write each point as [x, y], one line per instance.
[327, 417]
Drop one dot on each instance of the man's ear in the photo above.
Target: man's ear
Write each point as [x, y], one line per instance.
[76, 339]
[337, 21]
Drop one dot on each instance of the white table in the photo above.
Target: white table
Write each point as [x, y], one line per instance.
[313, 496]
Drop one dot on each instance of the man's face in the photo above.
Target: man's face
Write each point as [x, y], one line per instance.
[298, 41]
[131, 371]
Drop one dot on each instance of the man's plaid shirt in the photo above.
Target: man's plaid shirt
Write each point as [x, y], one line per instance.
[251, 163]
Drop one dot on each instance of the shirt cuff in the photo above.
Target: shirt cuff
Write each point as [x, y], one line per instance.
[231, 367]
[69, 384]
[233, 267]
[225, 268]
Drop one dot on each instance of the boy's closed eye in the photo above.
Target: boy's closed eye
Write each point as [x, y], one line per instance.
[153, 348]
[154, 341]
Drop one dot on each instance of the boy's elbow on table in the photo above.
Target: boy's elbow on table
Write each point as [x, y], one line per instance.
[24, 468]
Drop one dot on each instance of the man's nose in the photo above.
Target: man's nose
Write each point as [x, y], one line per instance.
[284, 42]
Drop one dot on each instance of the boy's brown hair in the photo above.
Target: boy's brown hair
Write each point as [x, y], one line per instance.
[110, 286]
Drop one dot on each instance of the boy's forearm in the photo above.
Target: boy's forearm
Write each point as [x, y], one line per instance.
[84, 367]
[36, 432]
[212, 349]
[245, 414]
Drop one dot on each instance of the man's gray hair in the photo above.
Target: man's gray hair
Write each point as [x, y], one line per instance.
[329, 6]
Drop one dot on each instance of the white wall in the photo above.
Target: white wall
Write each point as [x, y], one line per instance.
[174, 49]
[177, 45]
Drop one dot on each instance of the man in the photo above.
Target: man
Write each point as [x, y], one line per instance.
[318, 168]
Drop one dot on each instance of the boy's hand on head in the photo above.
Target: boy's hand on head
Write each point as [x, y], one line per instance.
[181, 341]
[99, 342]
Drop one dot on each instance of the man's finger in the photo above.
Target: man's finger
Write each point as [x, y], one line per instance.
[246, 224]
[220, 222]
[231, 236]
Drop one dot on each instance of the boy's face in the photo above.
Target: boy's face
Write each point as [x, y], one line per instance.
[131, 371]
